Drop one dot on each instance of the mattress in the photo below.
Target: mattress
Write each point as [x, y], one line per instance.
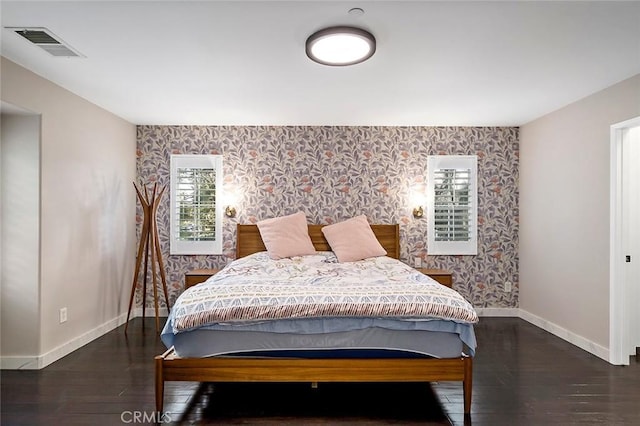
[369, 342]
[363, 337]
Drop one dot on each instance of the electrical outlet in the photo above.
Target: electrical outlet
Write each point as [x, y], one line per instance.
[507, 286]
[63, 315]
[417, 261]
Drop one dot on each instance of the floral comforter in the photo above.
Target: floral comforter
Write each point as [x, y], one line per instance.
[257, 288]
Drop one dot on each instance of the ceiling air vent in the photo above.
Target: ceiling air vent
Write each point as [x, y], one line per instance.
[46, 40]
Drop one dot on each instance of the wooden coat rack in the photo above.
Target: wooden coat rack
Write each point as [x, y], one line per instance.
[149, 247]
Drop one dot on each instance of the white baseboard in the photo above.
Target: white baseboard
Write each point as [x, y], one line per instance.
[498, 312]
[41, 361]
[150, 312]
[19, 363]
[38, 362]
[567, 335]
[78, 342]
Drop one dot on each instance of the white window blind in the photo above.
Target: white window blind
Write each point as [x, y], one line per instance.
[452, 205]
[196, 214]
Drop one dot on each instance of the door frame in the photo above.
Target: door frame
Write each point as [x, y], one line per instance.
[619, 316]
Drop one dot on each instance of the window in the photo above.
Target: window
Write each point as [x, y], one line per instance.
[452, 204]
[196, 212]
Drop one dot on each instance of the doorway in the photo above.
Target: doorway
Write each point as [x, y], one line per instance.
[19, 237]
[624, 325]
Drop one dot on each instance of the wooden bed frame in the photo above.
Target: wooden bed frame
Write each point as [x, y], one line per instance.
[170, 367]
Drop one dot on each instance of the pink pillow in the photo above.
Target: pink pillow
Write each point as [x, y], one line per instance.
[353, 240]
[286, 236]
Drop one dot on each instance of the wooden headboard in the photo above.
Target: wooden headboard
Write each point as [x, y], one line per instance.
[249, 240]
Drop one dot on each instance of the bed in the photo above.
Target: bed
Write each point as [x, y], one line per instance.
[449, 358]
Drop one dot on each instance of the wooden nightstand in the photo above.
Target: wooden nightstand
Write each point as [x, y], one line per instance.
[198, 276]
[443, 276]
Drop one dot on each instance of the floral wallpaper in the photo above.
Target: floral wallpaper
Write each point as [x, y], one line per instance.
[333, 173]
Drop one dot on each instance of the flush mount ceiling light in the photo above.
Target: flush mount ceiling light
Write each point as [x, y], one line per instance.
[340, 46]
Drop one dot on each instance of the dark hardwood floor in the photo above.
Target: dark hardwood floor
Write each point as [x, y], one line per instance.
[522, 376]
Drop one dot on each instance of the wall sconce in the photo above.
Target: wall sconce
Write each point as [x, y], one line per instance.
[230, 211]
[230, 198]
[418, 199]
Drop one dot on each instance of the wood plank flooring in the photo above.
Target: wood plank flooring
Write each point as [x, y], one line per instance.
[522, 376]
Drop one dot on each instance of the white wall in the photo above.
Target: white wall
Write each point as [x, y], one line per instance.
[564, 211]
[87, 224]
[20, 222]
